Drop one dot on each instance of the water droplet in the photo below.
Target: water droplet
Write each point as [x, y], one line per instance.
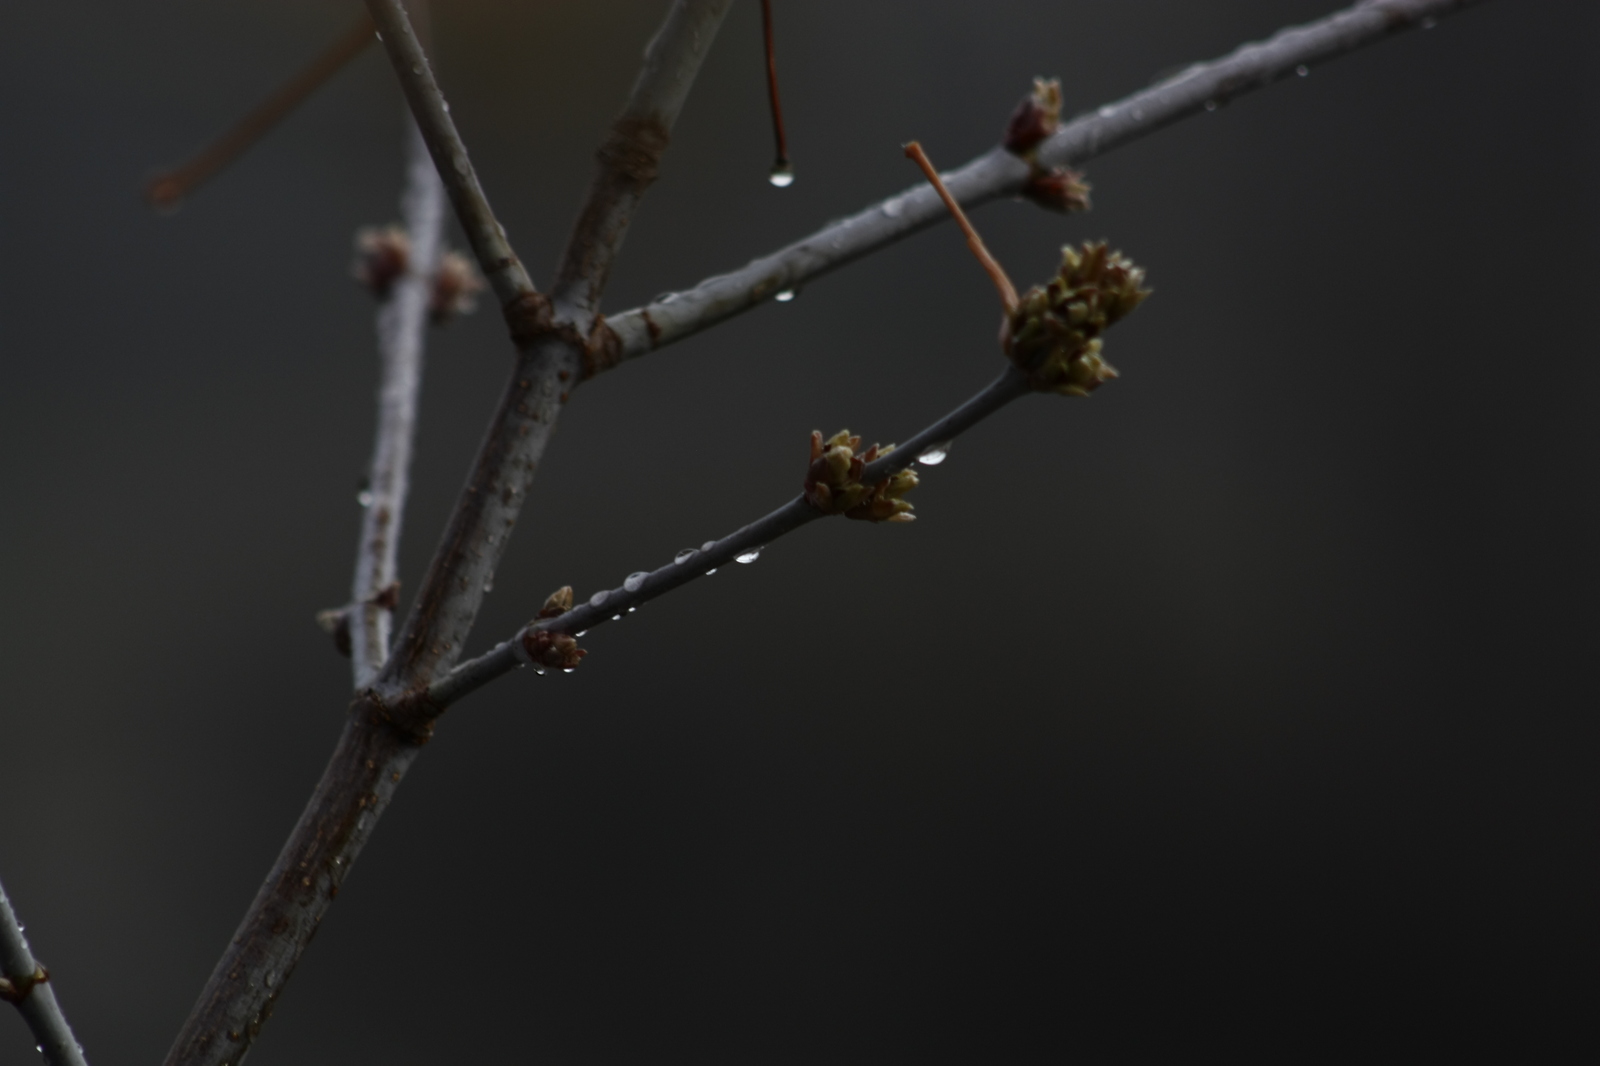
[708, 545]
[364, 497]
[711, 571]
[749, 556]
[934, 454]
[447, 107]
[685, 555]
[635, 581]
[1107, 111]
[1302, 70]
[568, 669]
[416, 68]
[580, 632]
[539, 670]
[782, 176]
[632, 609]
[488, 586]
[785, 296]
[892, 207]
[616, 618]
[598, 598]
[1211, 105]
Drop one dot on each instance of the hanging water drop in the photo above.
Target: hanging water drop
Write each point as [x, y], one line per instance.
[598, 598]
[364, 496]
[568, 669]
[685, 555]
[1302, 70]
[782, 176]
[580, 632]
[488, 586]
[934, 454]
[633, 608]
[616, 618]
[635, 581]
[785, 296]
[749, 556]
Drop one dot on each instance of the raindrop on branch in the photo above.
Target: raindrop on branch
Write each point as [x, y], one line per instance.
[934, 454]
[635, 580]
[685, 555]
[598, 598]
[749, 556]
[1302, 70]
[781, 176]
[785, 296]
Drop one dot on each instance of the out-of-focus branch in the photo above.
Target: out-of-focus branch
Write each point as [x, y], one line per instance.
[402, 332]
[641, 587]
[167, 190]
[1000, 174]
[25, 984]
[631, 154]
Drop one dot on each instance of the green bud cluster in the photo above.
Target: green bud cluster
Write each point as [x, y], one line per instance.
[1053, 336]
[833, 481]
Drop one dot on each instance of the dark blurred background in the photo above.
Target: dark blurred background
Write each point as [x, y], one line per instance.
[1246, 708]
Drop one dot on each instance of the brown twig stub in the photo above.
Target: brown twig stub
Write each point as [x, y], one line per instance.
[15, 991]
[782, 174]
[991, 266]
[167, 190]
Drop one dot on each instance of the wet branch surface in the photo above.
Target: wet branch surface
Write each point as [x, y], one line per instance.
[26, 985]
[999, 174]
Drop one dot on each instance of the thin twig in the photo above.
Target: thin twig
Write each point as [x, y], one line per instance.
[402, 332]
[1000, 174]
[631, 154]
[167, 190]
[991, 265]
[615, 603]
[782, 171]
[27, 985]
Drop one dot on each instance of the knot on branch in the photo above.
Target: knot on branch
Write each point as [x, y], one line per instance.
[1053, 335]
[603, 349]
[15, 991]
[1031, 124]
[412, 717]
[456, 285]
[383, 255]
[833, 481]
[529, 318]
[633, 151]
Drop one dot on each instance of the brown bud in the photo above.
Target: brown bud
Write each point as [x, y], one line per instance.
[559, 602]
[552, 651]
[456, 286]
[336, 623]
[1054, 334]
[1058, 189]
[833, 481]
[387, 597]
[1035, 118]
[382, 258]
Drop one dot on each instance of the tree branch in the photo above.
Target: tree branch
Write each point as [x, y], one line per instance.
[999, 174]
[167, 190]
[402, 331]
[25, 983]
[379, 743]
[631, 154]
[612, 604]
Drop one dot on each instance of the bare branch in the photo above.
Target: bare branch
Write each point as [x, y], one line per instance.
[402, 331]
[612, 604]
[631, 154]
[167, 190]
[999, 174]
[25, 983]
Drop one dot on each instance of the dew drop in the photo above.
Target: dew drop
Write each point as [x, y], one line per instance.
[892, 207]
[488, 586]
[785, 296]
[446, 106]
[934, 454]
[782, 176]
[711, 571]
[568, 669]
[616, 618]
[632, 609]
[708, 545]
[748, 557]
[635, 581]
[598, 598]
[580, 632]
[364, 497]
[1107, 111]
[685, 555]
[1302, 70]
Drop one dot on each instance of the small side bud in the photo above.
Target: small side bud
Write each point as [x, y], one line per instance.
[833, 481]
[382, 257]
[456, 286]
[1058, 189]
[1036, 117]
[335, 622]
[559, 602]
[552, 651]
